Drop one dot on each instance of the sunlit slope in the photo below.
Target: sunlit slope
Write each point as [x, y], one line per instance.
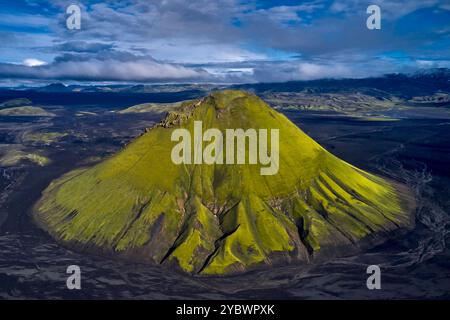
[216, 219]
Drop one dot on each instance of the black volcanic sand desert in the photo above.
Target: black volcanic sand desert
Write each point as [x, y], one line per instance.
[416, 152]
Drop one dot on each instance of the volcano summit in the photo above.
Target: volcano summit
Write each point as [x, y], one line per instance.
[218, 218]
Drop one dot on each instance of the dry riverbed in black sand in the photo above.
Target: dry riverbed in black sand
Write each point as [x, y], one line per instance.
[414, 150]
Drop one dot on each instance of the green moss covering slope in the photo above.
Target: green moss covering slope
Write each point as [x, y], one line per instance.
[15, 157]
[151, 107]
[43, 137]
[218, 219]
[26, 111]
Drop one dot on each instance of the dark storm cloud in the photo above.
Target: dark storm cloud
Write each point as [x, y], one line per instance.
[232, 40]
[298, 28]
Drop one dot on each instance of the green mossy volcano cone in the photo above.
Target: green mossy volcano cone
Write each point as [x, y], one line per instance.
[219, 219]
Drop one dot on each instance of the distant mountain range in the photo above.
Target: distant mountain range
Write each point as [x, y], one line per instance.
[139, 88]
[426, 88]
[422, 83]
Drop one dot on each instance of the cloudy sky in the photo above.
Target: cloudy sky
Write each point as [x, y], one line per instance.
[159, 41]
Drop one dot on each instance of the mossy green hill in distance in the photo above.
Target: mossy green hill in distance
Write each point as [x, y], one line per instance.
[151, 107]
[26, 111]
[15, 103]
[220, 219]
